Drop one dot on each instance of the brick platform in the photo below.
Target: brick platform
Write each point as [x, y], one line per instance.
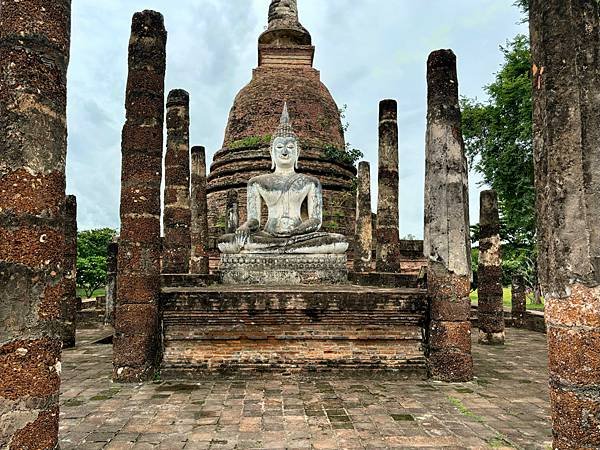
[218, 328]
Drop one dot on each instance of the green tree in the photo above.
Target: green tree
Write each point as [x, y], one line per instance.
[92, 250]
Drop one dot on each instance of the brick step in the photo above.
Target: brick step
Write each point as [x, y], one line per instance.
[385, 279]
[244, 329]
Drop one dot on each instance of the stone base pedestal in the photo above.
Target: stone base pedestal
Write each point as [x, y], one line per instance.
[283, 269]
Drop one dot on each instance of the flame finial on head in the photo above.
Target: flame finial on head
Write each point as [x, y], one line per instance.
[285, 128]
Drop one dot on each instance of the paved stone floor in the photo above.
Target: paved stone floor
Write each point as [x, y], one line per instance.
[505, 407]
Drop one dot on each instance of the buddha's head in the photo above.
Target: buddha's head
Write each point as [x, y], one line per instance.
[285, 149]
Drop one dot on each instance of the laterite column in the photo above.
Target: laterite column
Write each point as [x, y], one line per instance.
[490, 306]
[565, 38]
[70, 304]
[388, 233]
[199, 227]
[111, 281]
[447, 242]
[177, 213]
[135, 350]
[518, 301]
[363, 237]
[34, 55]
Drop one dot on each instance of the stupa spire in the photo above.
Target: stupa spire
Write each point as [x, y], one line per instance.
[284, 25]
[283, 12]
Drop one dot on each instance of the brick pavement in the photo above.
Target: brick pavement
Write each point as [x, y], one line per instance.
[505, 407]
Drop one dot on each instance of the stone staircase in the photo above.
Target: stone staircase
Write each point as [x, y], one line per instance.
[210, 328]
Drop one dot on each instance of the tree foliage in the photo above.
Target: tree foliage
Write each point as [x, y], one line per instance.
[92, 251]
[499, 144]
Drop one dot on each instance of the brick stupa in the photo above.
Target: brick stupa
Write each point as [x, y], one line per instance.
[285, 73]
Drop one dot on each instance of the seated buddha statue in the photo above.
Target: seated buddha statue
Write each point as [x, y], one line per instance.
[284, 191]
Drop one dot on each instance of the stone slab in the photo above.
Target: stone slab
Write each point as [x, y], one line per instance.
[283, 269]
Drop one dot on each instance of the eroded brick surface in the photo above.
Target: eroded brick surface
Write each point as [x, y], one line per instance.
[505, 407]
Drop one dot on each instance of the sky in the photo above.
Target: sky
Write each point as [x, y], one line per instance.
[366, 51]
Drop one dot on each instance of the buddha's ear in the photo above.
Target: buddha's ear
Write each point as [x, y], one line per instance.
[272, 159]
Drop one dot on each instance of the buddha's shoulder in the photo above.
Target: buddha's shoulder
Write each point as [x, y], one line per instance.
[262, 180]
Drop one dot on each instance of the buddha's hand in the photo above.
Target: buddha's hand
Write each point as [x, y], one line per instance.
[308, 226]
[242, 234]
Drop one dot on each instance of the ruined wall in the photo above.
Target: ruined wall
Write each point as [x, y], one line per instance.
[565, 38]
[34, 55]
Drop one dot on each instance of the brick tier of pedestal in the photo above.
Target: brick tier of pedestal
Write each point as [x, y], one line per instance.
[218, 328]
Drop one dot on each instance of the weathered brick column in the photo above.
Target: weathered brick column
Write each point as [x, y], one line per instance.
[135, 348]
[111, 281]
[363, 238]
[199, 226]
[447, 242]
[177, 213]
[233, 214]
[388, 233]
[518, 301]
[69, 309]
[490, 309]
[565, 37]
[34, 55]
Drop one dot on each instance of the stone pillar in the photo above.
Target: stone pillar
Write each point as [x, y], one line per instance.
[111, 281]
[565, 37]
[518, 301]
[233, 215]
[138, 278]
[199, 228]
[34, 55]
[69, 310]
[388, 234]
[490, 310]
[363, 238]
[177, 213]
[447, 242]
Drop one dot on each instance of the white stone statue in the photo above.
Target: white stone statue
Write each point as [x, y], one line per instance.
[284, 192]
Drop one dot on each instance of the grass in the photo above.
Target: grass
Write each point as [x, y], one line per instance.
[507, 300]
[463, 409]
[97, 293]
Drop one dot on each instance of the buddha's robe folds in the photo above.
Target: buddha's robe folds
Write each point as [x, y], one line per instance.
[285, 231]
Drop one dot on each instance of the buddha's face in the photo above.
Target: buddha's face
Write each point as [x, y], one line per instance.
[285, 152]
